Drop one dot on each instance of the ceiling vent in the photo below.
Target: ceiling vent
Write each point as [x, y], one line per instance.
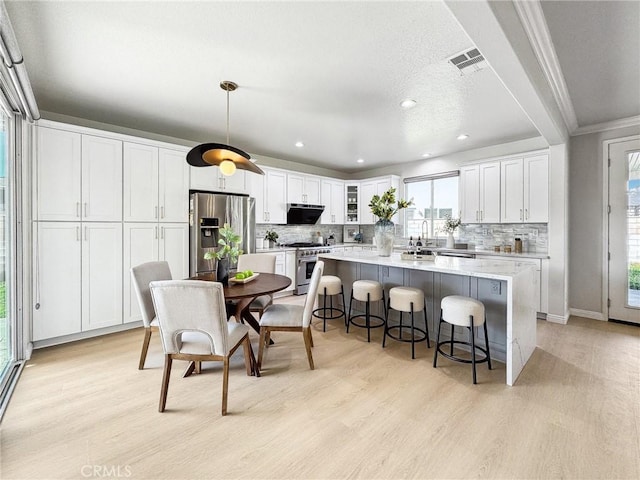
[468, 61]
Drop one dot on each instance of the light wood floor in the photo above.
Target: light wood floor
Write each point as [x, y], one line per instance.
[85, 411]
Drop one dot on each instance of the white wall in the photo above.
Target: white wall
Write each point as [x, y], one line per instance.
[586, 241]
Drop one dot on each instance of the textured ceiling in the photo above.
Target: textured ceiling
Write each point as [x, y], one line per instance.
[329, 74]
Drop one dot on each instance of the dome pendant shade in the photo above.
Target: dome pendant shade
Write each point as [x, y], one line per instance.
[209, 154]
[214, 154]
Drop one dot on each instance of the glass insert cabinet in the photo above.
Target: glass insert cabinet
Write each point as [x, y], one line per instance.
[352, 192]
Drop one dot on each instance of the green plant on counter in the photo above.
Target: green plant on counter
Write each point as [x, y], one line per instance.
[228, 242]
[271, 235]
[382, 206]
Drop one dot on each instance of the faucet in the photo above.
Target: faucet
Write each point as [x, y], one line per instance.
[425, 231]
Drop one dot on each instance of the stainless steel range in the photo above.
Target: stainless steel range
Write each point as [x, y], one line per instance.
[306, 258]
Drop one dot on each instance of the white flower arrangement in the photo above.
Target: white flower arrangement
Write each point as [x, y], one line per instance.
[450, 224]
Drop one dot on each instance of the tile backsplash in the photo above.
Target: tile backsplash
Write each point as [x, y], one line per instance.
[300, 233]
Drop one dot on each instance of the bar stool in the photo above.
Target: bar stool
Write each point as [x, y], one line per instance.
[366, 291]
[458, 310]
[330, 286]
[410, 300]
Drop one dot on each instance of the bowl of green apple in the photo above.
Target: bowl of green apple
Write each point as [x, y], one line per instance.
[244, 277]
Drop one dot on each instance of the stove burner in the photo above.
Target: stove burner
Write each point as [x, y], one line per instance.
[303, 244]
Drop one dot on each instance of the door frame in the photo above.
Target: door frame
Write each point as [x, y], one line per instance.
[605, 220]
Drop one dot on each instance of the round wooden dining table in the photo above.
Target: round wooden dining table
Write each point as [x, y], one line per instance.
[244, 293]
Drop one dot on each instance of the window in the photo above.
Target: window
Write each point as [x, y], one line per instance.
[434, 197]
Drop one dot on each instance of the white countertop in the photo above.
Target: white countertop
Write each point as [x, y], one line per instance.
[491, 252]
[472, 267]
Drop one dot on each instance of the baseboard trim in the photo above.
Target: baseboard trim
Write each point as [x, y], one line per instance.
[562, 319]
[587, 314]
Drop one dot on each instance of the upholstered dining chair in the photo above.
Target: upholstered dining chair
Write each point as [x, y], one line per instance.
[194, 327]
[292, 318]
[260, 263]
[141, 276]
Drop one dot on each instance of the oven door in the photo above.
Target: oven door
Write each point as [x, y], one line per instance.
[303, 274]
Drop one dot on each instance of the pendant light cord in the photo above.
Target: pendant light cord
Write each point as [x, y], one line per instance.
[227, 116]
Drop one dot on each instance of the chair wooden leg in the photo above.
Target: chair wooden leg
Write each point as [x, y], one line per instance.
[268, 338]
[145, 348]
[165, 382]
[198, 367]
[261, 345]
[225, 384]
[307, 343]
[247, 355]
[311, 337]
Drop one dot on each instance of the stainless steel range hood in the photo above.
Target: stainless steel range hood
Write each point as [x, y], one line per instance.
[303, 214]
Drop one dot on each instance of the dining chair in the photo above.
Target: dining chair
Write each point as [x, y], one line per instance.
[260, 263]
[292, 318]
[141, 276]
[194, 327]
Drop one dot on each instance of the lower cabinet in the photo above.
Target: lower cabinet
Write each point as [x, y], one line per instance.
[286, 265]
[77, 277]
[148, 242]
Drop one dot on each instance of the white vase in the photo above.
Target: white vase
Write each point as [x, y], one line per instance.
[450, 240]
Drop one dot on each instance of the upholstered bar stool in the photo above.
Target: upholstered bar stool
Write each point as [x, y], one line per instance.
[330, 286]
[407, 300]
[366, 291]
[457, 310]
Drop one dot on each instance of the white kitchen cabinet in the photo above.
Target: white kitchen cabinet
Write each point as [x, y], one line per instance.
[376, 186]
[352, 202]
[149, 242]
[57, 279]
[77, 177]
[303, 189]
[101, 275]
[333, 201]
[480, 193]
[156, 184]
[291, 268]
[524, 187]
[270, 193]
[210, 179]
[77, 277]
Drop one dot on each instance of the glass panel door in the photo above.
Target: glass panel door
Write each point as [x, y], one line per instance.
[6, 347]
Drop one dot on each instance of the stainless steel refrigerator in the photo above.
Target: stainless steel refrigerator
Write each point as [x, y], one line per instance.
[208, 212]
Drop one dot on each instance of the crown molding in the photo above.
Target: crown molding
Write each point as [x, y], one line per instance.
[604, 126]
[535, 26]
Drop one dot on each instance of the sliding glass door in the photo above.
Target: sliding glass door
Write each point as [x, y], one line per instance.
[7, 347]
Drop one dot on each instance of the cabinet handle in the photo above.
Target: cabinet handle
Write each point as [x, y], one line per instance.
[481, 215]
[526, 214]
[521, 214]
[78, 209]
[85, 210]
[86, 234]
[155, 232]
[162, 233]
[77, 234]
[162, 212]
[155, 212]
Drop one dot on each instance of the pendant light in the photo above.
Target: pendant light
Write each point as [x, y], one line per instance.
[226, 157]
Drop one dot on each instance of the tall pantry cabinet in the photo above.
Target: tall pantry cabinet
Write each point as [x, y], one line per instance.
[77, 233]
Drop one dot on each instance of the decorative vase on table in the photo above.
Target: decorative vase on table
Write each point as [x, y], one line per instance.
[384, 232]
[450, 240]
[222, 271]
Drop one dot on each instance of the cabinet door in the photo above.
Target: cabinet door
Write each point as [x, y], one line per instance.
[140, 183]
[291, 268]
[101, 179]
[470, 194]
[101, 275]
[511, 191]
[173, 186]
[276, 196]
[57, 175]
[256, 189]
[204, 178]
[56, 279]
[140, 246]
[337, 202]
[490, 192]
[536, 189]
[326, 200]
[281, 263]
[312, 190]
[352, 195]
[367, 190]
[295, 188]
[174, 248]
[234, 183]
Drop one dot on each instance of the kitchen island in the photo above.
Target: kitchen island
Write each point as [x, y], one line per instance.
[507, 289]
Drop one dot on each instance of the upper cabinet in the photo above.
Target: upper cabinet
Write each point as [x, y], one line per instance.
[210, 179]
[156, 184]
[270, 193]
[480, 193]
[77, 177]
[303, 189]
[525, 189]
[376, 186]
[352, 201]
[333, 201]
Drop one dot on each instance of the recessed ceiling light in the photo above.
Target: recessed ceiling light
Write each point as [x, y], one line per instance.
[299, 144]
[464, 136]
[360, 160]
[425, 155]
[408, 103]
